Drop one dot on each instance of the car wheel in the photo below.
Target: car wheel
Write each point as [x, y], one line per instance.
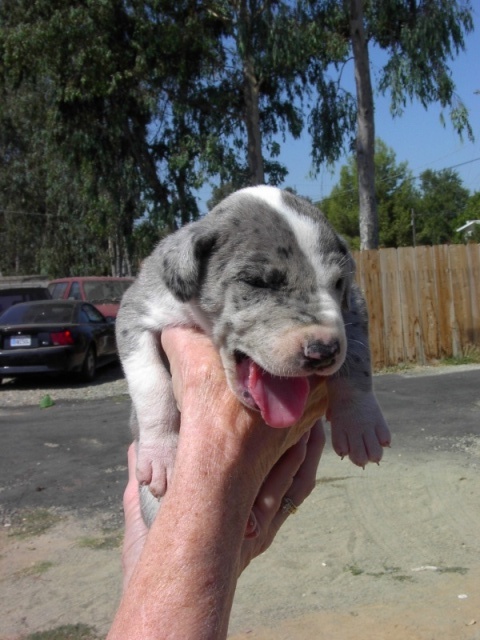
[89, 365]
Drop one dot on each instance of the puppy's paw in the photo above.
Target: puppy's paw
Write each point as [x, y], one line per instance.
[359, 430]
[155, 461]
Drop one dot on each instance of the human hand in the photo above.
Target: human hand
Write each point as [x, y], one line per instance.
[204, 398]
[290, 482]
[270, 463]
[293, 475]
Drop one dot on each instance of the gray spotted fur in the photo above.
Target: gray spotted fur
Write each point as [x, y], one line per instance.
[243, 275]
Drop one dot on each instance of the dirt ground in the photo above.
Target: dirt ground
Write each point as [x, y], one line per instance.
[389, 552]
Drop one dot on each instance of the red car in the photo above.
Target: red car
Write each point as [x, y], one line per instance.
[105, 293]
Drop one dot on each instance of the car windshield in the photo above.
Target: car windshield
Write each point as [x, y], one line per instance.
[38, 314]
[9, 297]
[108, 291]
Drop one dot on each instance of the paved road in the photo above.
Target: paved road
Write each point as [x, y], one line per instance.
[73, 454]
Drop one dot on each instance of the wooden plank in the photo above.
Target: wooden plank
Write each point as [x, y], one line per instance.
[394, 343]
[443, 293]
[369, 281]
[473, 260]
[427, 304]
[461, 295]
[409, 305]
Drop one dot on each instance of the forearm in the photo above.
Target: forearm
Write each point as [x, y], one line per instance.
[184, 583]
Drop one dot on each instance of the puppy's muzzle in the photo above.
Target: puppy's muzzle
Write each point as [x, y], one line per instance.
[320, 355]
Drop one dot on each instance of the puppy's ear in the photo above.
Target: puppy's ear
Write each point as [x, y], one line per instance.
[184, 255]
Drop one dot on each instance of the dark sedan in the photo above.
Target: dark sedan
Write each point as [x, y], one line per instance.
[55, 336]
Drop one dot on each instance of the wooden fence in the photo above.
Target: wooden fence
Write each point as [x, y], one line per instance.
[423, 302]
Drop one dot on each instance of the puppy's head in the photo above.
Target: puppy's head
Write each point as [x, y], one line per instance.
[267, 277]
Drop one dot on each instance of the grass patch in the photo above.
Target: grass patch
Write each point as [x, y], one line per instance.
[470, 355]
[391, 572]
[112, 541]
[336, 483]
[460, 570]
[36, 569]
[387, 571]
[398, 368]
[66, 632]
[33, 523]
[354, 570]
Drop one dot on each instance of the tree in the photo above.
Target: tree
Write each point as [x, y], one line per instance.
[443, 201]
[143, 100]
[114, 139]
[420, 37]
[394, 192]
[113, 113]
[270, 49]
[365, 138]
[470, 212]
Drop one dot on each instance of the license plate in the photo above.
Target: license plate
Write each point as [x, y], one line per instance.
[23, 341]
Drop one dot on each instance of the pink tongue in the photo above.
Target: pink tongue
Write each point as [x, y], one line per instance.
[281, 400]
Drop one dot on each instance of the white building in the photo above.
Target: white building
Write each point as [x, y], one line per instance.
[468, 227]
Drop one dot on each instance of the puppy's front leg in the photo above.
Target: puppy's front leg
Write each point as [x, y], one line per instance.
[359, 429]
[156, 415]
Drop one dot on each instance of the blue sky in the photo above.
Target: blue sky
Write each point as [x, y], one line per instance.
[417, 137]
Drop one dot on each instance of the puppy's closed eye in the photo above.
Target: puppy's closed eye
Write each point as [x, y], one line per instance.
[265, 279]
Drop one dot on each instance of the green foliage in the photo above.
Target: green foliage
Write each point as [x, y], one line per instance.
[66, 632]
[80, 154]
[420, 39]
[438, 203]
[114, 112]
[443, 201]
[470, 212]
[33, 522]
[395, 195]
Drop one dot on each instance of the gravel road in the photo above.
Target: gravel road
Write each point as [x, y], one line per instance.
[29, 392]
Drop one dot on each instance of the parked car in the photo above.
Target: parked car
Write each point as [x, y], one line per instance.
[103, 292]
[13, 295]
[55, 336]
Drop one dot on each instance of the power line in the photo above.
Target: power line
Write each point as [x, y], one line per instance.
[408, 178]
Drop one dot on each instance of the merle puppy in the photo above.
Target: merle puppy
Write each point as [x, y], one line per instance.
[267, 278]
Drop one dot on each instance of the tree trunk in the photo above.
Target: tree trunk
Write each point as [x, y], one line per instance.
[365, 143]
[252, 123]
[251, 93]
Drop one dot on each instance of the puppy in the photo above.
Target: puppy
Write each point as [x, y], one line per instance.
[267, 278]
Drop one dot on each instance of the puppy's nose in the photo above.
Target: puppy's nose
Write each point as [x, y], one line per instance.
[321, 354]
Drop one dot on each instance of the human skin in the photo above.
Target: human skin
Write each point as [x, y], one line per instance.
[222, 507]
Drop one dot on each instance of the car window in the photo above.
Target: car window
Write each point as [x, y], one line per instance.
[92, 314]
[58, 290]
[75, 293]
[9, 297]
[106, 290]
[38, 314]
[8, 300]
